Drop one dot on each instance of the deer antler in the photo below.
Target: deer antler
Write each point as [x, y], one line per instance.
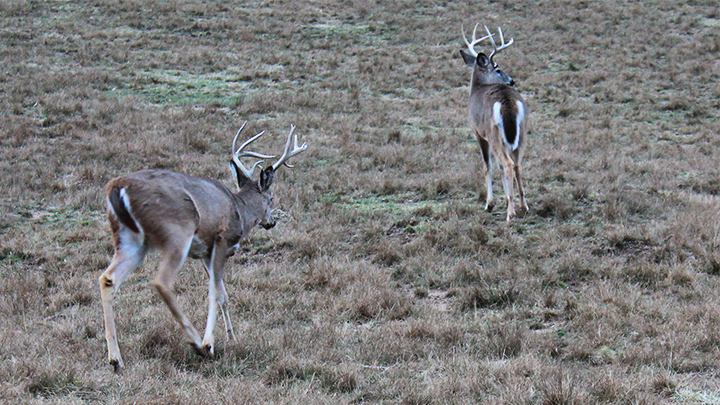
[503, 44]
[471, 45]
[287, 154]
[240, 152]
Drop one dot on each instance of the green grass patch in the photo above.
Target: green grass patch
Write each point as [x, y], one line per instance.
[396, 204]
[170, 86]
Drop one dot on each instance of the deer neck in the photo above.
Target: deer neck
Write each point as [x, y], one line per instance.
[479, 89]
[247, 210]
[479, 81]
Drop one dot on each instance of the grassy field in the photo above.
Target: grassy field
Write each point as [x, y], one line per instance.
[384, 281]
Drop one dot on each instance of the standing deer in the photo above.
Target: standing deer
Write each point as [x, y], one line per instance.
[497, 116]
[183, 216]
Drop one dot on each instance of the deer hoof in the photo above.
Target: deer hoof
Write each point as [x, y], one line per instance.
[202, 351]
[117, 365]
[510, 216]
[489, 207]
[522, 211]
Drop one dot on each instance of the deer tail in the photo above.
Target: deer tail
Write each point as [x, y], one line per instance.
[508, 118]
[119, 204]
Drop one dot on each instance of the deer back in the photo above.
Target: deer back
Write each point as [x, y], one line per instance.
[167, 205]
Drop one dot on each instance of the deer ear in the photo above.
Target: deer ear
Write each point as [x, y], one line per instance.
[469, 59]
[242, 179]
[482, 60]
[266, 178]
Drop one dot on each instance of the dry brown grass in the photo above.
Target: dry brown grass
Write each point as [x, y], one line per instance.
[384, 281]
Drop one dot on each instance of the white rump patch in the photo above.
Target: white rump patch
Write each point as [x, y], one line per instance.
[498, 117]
[131, 243]
[518, 119]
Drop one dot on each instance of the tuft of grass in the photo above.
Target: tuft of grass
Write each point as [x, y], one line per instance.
[555, 207]
[290, 370]
[489, 297]
[60, 384]
[646, 276]
[665, 385]
[384, 304]
[561, 390]
[505, 340]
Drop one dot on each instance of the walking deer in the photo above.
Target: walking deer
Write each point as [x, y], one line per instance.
[497, 116]
[183, 216]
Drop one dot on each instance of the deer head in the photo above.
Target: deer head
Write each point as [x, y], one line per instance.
[485, 69]
[244, 175]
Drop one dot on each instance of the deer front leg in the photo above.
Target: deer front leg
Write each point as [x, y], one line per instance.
[208, 339]
[487, 158]
[123, 263]
[171, 260]
[221, 295]
[215, 269]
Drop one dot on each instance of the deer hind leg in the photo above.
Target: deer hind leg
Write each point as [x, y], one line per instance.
[518, 177]
[129, 253]
[222, 300]
[214, 267]
[507, 167]
[487, 157]
[172, 258]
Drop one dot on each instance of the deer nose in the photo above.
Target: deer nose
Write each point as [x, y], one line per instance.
[512, 82]
[268, 225]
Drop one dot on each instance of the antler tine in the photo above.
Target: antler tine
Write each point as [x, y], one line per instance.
[492, 40]
[471, 45]
[503, 45]
[502, 39]
[238, 134]
[240, 152]
[287, 153]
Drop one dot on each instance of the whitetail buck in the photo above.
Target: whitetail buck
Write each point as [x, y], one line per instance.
[497, 116]
[185, 216]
